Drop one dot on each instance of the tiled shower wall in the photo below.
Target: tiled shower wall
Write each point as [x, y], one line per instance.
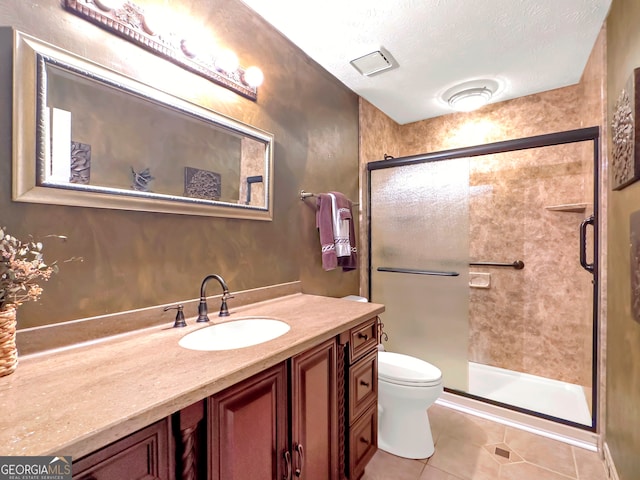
[537, 327]
[535, 320]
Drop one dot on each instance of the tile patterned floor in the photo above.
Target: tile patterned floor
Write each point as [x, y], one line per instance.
[472, 448]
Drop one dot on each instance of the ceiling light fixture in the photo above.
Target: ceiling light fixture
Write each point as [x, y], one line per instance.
[470, 99]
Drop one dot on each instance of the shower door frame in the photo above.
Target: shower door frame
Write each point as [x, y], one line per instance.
[546, 140]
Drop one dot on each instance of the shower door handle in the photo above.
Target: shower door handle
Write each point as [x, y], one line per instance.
[583, 243]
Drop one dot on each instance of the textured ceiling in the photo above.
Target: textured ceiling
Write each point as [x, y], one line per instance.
[528, 46]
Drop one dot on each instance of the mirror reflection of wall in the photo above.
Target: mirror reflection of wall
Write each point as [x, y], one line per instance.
[128, 142]
[251, 174]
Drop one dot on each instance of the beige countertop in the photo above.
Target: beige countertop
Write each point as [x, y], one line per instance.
[74, 401]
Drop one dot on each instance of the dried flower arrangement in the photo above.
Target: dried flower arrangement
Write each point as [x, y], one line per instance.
[22, 268]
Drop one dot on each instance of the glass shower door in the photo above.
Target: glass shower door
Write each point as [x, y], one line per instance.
[420, 262]
[478, 255]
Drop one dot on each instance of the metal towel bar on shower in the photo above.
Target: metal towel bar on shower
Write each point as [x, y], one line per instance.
[518, 264]
[418, 272]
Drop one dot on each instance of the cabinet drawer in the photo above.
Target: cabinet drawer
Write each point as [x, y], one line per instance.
[363, 441]
[143, 455]
[362, 339]
[363, 384]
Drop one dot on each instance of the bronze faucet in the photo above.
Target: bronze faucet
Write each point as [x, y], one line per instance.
[202, 307]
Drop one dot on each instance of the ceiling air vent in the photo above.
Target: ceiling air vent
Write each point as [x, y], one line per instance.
[374, 62]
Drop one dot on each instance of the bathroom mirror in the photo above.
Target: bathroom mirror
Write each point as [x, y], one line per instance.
[85, 135]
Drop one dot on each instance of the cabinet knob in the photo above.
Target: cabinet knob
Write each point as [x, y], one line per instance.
[363, 335]
[364, 384]
[364, 440]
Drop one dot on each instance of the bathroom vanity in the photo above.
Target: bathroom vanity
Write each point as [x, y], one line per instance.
[303, 405]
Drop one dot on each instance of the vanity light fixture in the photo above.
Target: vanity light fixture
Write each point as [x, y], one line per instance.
[127, 20]
[108, 5]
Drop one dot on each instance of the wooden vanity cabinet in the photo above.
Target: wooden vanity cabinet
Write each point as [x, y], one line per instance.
[144, 455]
[362, 397]
[252, 436]
[247, 428]
[312, 417]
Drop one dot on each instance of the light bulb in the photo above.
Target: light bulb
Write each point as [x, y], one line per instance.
[253, 76]
[154, 21]
[107, 5]
[227, 61]
[193, 47]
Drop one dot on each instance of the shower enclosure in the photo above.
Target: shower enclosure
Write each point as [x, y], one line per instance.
[483, 258]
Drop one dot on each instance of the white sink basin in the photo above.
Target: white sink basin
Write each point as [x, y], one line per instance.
[239, 333]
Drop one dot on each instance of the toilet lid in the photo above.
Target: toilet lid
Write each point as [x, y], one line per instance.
[406, 370]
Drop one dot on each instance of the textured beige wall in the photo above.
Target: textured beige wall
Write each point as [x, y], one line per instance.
[535, 329]
[379, 136]
[623, 333]
[139, 259]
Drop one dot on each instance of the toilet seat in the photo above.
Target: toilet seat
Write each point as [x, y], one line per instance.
[402, 369]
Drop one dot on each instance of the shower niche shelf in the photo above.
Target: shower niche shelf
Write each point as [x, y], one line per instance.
[568, 207]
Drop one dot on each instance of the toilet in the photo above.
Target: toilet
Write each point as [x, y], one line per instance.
[407, 386]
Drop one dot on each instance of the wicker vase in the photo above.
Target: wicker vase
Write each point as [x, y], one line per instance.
[8, 350]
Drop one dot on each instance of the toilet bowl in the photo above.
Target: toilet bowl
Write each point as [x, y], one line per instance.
[407, 386]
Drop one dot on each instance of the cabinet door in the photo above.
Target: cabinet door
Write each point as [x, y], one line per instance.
[314, 402]
[247, 433]
[144, 455]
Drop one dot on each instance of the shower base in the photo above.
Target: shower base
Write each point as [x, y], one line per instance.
[543, 395]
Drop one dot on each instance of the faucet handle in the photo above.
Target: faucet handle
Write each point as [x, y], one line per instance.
[224, 310]
[180, 321]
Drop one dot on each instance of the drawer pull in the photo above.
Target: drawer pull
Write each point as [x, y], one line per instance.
[363, 335]
[364, 384]
[364, 440]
